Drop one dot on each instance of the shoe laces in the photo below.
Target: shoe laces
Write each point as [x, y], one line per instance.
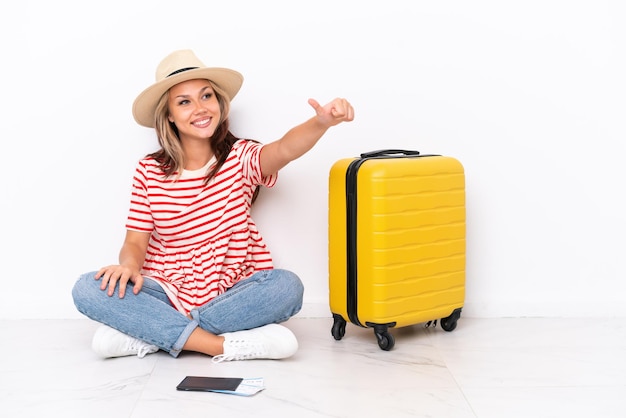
[142, 348]
[240, 350]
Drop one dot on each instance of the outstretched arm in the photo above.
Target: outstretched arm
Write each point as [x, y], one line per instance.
[300, 139]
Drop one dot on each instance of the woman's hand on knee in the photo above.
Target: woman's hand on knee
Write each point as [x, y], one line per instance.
[114, 275]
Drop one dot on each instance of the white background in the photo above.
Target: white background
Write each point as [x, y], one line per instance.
[528, 95]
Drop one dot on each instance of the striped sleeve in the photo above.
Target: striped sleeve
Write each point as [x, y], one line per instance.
[249, 153]
[139, 214]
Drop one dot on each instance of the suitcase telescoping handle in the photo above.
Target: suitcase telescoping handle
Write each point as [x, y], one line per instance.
[384, 152]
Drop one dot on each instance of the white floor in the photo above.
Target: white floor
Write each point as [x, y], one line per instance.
[486, 368]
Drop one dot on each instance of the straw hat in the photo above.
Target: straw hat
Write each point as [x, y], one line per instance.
[177, 67]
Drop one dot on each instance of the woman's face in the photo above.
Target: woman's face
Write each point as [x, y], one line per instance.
[194, 108]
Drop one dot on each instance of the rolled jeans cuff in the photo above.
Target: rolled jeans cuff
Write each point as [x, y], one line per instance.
[184, 336]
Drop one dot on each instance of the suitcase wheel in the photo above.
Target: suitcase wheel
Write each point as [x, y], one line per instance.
[339, 327]
[449, 323]
[385, 339]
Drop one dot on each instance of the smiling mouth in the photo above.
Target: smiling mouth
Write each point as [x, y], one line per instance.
[202, 123]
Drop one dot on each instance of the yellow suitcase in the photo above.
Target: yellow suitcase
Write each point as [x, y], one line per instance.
[396, 242]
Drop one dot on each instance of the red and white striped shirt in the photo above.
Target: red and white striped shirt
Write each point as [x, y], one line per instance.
[203, 239]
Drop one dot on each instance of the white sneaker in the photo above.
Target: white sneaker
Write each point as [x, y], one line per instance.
[109, 342]
[271, 341]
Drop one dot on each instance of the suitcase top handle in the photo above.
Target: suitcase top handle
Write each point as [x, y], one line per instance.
[383, 152]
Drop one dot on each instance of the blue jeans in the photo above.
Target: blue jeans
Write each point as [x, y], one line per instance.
[269, 296]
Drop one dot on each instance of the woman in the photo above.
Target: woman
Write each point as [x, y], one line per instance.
[194, 273]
